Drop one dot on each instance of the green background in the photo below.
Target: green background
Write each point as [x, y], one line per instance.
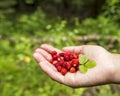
[26, 24]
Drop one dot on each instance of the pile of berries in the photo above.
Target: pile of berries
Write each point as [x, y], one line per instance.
[65, 62]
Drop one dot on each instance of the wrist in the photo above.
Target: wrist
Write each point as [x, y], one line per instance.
[115, 78]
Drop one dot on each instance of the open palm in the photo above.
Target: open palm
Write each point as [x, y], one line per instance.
[95, 76]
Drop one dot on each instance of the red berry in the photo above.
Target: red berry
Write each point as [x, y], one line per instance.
[74, 65]
[61, 62]
[65, 62]
[57, 64]
[68, 65]
[77, 68]
[75, 62]
[54, 62]
[61, 54]
[58, 59]
[54, 57]
[66, 57]
[63, 71]
[59, 68]
[71, 56]
[61, 58]
[53, 53]
[72, 70]
[75, 56]
[51, 60]
[64, 65]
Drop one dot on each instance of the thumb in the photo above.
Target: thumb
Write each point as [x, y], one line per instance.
[74, 49]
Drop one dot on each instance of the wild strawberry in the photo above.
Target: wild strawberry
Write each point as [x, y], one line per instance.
[64, 64]
[54, 57]
[77, 67]
[75, 62]
[75, 56]
[53, 53]
[72, 70]
[61, 58]
[59, 68]
[61, 54]
[74, 65]
[57, 64]
[61, 62]
[54, 62]
[66, 57]
[51, 60]
[71, 56]
[58, 59]
[68, 65]
[63, 71]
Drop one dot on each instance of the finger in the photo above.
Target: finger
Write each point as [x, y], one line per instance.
[52, 73]
[44, 53]
[74, 49]
[49, 48]
[48, 68]
[39, 58]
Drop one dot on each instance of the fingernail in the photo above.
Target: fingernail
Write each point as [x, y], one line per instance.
[35, 55]
[64, 49]
[37, 50]
[43, 45]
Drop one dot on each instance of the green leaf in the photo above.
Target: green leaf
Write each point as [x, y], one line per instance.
[83, 59]
[83, 69]
[90, 64]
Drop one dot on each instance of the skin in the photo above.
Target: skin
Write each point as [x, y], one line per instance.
[105, 72]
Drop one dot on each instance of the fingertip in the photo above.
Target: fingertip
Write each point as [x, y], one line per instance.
[43, 45]
[65, 49]
[36, 56]
[49, 48]
[37, 50]
[69, 49]
[44, 53]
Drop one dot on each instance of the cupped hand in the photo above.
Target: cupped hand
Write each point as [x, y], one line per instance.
[100, 74]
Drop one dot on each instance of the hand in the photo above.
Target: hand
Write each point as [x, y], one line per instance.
[101, 74]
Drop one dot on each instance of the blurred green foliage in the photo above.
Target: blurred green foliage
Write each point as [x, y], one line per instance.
[21, 33]
[113, 10]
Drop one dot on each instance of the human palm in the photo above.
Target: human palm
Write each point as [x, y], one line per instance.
[94, 76]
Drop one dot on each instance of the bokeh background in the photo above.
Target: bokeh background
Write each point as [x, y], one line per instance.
[26, 24]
